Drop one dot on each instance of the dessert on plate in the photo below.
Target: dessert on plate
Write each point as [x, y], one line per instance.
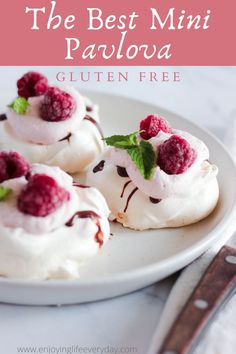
[49, 225]
[51, 125]
[157, 177]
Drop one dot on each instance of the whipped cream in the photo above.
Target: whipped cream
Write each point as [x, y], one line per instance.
[165, 200]
[162, 184]
[11, 216]
[80, 139]
[31, 127]
[45, 247]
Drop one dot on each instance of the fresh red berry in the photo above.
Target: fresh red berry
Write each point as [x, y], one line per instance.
[12, 165]
[41, 196]
[57, 105]
[151, 125]
[32, 84]
[175, 155]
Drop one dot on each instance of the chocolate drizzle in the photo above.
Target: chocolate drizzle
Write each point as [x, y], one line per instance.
[66, 137]
[124, 188]
[99, 167]
[207, 160]
[129, 198]
[154, 200]
[89, 109]
[3, 117]
[92, 120]
[93, 216]
[75, 184]
[122, 171]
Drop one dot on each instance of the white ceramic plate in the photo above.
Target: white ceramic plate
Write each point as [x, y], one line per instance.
[132, 260]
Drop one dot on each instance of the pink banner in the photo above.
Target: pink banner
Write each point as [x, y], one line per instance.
[131, 32]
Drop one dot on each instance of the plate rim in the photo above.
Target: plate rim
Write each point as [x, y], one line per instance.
[200, 246]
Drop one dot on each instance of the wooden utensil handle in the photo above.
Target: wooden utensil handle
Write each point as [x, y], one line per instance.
[214, 288]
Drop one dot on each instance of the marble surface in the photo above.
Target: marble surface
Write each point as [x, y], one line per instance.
[205, 95]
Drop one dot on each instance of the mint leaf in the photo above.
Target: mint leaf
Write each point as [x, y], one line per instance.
[4, 193]
[122, 141]
[20, 105]
[144, 158]
[140, 151]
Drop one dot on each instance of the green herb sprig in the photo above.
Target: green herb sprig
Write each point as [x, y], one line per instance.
[140, 151]
[20, 105]
[4, 192]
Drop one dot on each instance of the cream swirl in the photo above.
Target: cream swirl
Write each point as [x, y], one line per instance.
[84, 144]
[32, 128]
[163, 185]
[11, 216]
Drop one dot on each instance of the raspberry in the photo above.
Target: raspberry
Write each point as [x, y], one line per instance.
[57, 105]
[152, 125]
[175, 155]
[32, 84]
[41, 196]
[12, 165]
